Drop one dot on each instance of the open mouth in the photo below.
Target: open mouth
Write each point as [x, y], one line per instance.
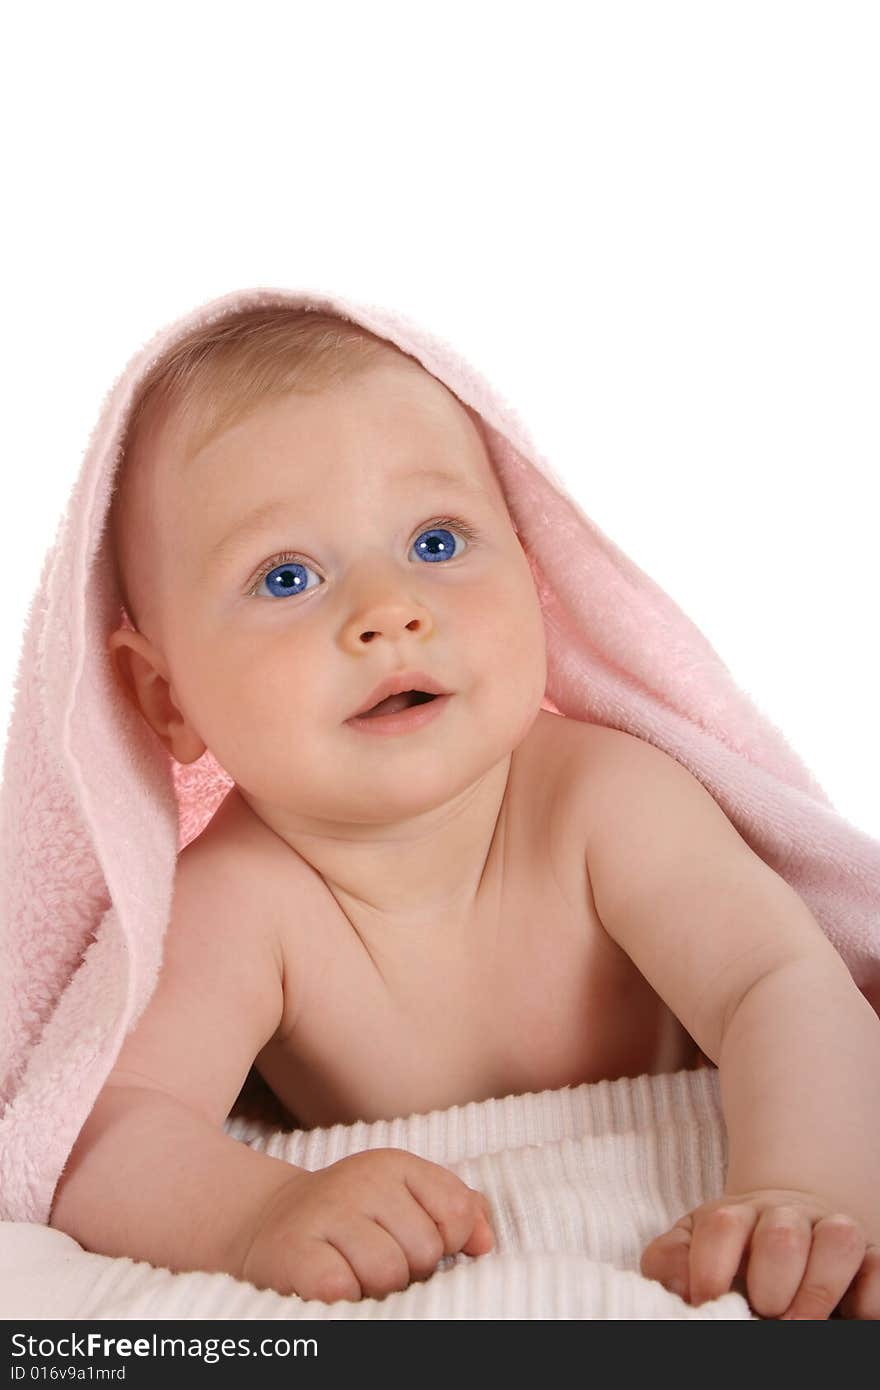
[394, 703]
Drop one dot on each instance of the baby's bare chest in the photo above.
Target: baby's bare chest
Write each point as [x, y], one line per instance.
[528, 994]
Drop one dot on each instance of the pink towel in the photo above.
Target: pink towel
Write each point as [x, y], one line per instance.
[94, 810]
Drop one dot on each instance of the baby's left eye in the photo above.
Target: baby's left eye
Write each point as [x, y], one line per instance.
[439, 543]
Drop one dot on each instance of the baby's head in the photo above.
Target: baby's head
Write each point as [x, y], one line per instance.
[287, 483]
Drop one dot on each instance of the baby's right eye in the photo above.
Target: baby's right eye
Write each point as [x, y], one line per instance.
[285, 574]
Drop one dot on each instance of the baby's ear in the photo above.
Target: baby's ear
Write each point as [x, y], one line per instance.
[142, 676]
[130, 654]
[117, 645]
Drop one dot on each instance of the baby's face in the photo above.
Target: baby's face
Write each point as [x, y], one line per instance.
[292, 582]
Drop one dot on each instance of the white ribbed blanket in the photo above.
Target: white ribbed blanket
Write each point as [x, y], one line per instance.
[579, 1181]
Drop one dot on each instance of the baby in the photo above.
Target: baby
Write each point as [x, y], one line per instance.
[425, 888]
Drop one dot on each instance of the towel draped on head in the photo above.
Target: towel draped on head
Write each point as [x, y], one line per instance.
[94, 809]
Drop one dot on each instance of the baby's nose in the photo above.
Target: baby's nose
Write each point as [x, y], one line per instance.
[388, 617]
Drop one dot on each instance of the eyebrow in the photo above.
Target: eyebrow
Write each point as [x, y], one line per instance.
[255, 521]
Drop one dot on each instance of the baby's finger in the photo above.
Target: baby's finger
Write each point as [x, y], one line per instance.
[779, 1252]
[415, 1232]
[456, 1208]
[316, 1269]
[835, 1258]
[862, 1298]
[717, 1244]
[378, 1262]
[482, 1237]
[667, 1257]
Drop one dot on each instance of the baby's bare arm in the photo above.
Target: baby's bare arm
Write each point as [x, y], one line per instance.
[742, 962]
[799, 1070]
[151, 1180]
[154, 1177]
[800, 1212]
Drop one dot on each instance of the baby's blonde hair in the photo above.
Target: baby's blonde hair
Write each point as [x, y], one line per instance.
[212, 379]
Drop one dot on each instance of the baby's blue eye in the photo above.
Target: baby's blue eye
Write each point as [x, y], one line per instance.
[440, 544]
[289, 575]
[287, 578]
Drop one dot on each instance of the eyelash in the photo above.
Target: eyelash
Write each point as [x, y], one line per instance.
[453, 523]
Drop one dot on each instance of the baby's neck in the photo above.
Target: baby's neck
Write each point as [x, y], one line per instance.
[418, 877]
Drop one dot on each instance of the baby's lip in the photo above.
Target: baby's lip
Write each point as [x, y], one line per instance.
[398, 682]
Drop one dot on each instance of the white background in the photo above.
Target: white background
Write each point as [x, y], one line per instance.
[654, 226]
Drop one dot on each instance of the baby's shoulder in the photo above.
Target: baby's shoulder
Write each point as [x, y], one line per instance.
[587, 754]
[561, 766]
[253, 878]
[570, 756]
[579, 779]
[572, 737]
[222, 870]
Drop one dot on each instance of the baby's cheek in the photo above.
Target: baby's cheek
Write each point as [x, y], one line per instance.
[517, 633]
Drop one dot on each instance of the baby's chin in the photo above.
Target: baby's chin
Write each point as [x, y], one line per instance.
[409, 786]
[396, 791]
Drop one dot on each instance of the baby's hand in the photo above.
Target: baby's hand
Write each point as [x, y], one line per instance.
[365, 1226]
[801, 1257]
